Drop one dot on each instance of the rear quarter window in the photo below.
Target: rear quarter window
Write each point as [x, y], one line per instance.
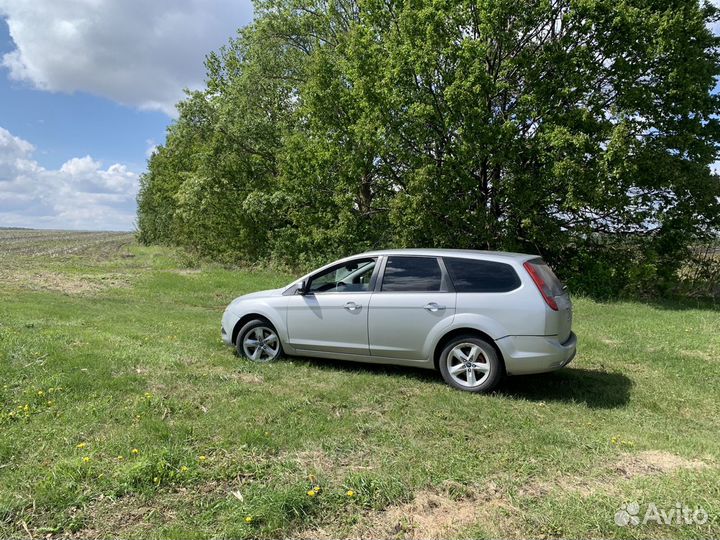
[473, 275]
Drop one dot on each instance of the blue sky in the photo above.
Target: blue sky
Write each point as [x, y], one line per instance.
[87, 88]
[66, 125]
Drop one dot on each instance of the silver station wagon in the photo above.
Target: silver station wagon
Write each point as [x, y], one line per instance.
[474, 315]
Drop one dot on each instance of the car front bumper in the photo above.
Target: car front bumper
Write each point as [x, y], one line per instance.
[229, 320]
[525, 355]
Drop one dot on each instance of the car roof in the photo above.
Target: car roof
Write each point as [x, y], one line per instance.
[461, 253]
[498, 256]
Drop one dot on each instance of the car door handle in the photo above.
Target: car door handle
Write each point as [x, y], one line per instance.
[351, 306]
[433, 306]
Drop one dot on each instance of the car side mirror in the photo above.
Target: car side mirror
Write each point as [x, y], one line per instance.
[301, 288]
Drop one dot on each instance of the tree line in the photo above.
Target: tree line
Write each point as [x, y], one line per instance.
[581, 130]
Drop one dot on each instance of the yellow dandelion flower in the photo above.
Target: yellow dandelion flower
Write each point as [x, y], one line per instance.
[40, 393]
[135, 451]
[350, 493]
[86, 459]
[120, 458]
[183, 469]
[311, 493]
[249, 519]
[202, 458]
[81, 445]
[316, 489]
[156, 480]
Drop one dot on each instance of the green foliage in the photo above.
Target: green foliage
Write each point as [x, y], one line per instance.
[582, 130]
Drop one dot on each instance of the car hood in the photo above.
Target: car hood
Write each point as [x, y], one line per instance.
[257, 295]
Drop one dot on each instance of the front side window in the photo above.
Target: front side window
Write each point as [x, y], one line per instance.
[412, 274]
[353, 276]
[472, 275]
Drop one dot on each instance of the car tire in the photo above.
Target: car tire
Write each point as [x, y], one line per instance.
[470, 364]
[259, 341]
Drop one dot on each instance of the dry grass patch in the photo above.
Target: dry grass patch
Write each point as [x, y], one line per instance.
[654, 462]
[706, 356]
[85, 284]
[432, 514]
[326, 467]
[629, 466]
[186, 271]
[313, 462]
[139, 515]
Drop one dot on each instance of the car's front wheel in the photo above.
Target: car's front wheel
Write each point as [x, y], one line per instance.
[259, 342]
[471, 364]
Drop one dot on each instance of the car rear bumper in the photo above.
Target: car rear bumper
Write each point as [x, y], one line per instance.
[536, 354]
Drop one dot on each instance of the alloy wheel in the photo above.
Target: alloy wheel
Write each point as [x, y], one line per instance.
[261, 344]
[467, 365]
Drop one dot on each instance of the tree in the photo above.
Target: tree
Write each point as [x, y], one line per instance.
[582, 130]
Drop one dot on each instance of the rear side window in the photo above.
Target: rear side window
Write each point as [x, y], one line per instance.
[412, 274]
[472, 275]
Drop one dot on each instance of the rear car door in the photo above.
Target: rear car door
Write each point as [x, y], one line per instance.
[414, 296]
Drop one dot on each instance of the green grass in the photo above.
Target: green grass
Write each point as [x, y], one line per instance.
[106, 347]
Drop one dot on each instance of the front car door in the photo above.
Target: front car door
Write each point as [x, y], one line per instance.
[414, 297]
[332, 316]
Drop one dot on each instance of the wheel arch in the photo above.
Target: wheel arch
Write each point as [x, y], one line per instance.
[242, 321]
[463, 331]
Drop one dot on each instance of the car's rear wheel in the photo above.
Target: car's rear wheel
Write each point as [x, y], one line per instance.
[471, 364]
[259, 342]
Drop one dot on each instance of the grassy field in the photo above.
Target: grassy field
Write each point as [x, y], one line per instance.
[123, 415]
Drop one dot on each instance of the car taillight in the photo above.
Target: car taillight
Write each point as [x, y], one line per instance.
[543, 287]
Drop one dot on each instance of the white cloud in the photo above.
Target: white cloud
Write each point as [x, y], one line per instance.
[136, 52]
[78, 195]
[152, 147]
